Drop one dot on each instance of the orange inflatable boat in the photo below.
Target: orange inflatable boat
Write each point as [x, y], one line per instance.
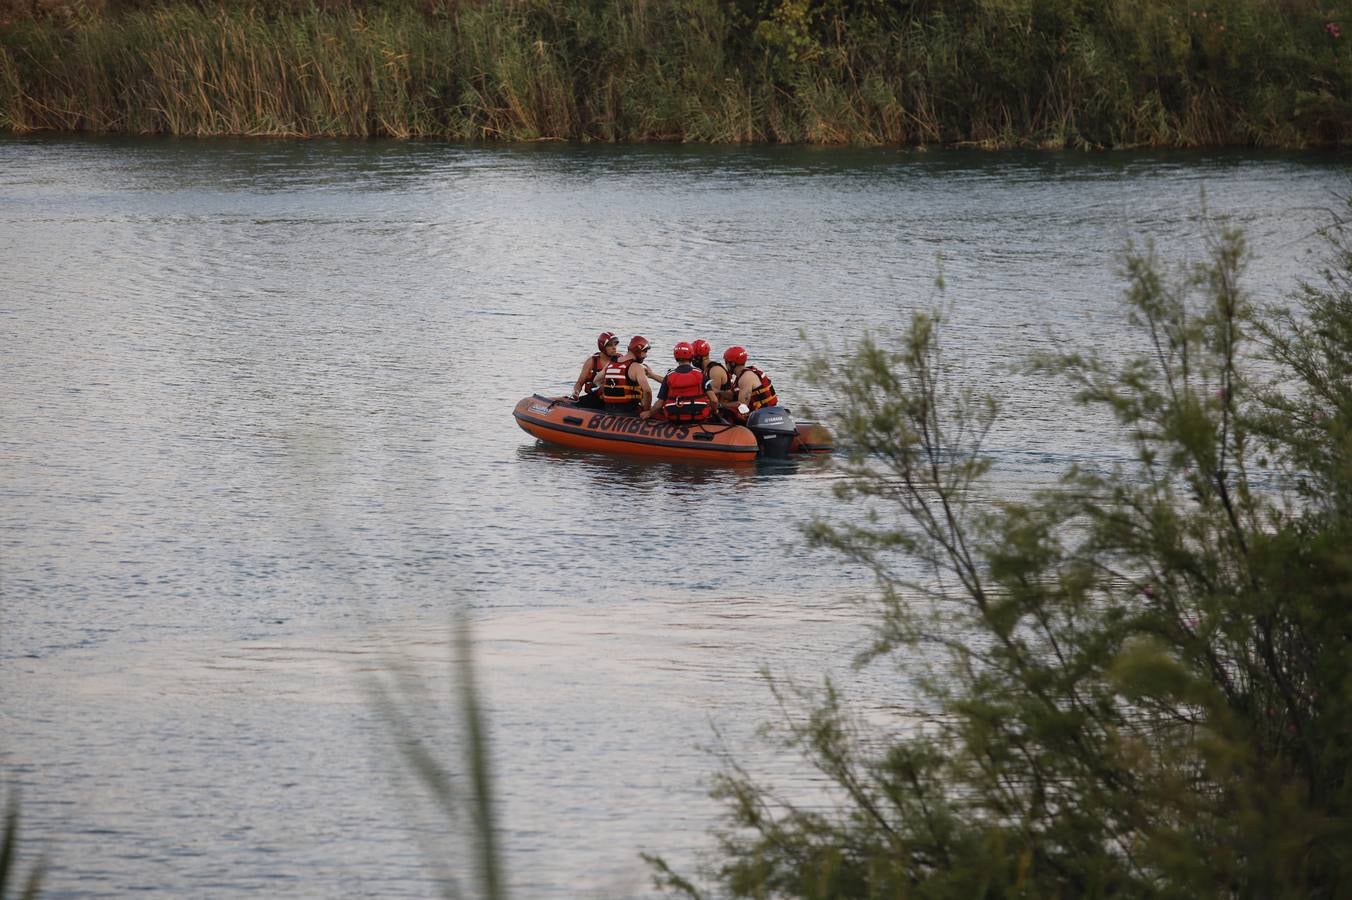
[771, 432]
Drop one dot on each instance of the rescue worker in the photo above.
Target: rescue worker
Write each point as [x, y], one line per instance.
[584, 390]
[750, 388]
[623, 383]
[684, 396]
[713, 370]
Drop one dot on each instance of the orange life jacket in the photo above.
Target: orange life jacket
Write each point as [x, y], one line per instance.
[685, 400]
[617, 387]
[763, 395]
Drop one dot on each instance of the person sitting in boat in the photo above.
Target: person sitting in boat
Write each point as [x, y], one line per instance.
[623, 383]
[714, 371]
[684, 396]
[585, 391]
[749, 390]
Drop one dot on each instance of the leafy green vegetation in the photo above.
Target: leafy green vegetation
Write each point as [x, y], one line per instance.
[1136, 684]
[995, 73]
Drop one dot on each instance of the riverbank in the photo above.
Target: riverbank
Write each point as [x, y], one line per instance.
[1016, 73]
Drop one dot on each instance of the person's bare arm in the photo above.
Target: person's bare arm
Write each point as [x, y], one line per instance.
[583, 377]
[710, 392]
[745, 386]
[730, 394]
[647, 401]
[647, 411]
[719, 383]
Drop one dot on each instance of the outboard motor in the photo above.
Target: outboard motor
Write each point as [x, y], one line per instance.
[774, 429]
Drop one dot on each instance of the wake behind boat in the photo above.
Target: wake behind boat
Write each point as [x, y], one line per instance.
[770, 432]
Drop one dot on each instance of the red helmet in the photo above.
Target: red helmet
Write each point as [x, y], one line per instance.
[683, 352]
[735, 356]
[638, 344]
[701, 348]
[607, 337]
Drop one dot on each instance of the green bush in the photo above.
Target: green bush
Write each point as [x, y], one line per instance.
[1141, 683]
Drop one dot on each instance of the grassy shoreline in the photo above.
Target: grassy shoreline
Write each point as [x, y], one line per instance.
[990, 73]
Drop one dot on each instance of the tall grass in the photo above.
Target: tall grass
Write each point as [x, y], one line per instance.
[462, 788]
[1049, 73]
[9, 858]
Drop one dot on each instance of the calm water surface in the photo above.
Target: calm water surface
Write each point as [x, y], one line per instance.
[256, 444]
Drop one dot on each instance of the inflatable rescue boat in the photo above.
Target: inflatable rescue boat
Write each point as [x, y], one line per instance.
[770, 432]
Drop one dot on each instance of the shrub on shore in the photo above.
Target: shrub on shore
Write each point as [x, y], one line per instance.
[995, 73]
[1137, 684]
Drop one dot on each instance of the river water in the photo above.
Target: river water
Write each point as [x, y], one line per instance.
[256, 447]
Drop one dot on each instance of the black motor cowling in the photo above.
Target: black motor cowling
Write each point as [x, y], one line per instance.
[774, 429]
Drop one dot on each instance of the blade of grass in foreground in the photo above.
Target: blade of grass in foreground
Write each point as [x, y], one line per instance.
[9, 865]
[402, 701]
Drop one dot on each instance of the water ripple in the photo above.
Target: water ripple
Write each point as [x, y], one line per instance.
[256, 444]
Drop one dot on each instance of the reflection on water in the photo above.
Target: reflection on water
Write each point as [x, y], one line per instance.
[616, 471]
[257, 428]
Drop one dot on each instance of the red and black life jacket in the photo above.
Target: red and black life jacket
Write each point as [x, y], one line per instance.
[617, 387]
[686, 400]
[763, 395]
[596, 366]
